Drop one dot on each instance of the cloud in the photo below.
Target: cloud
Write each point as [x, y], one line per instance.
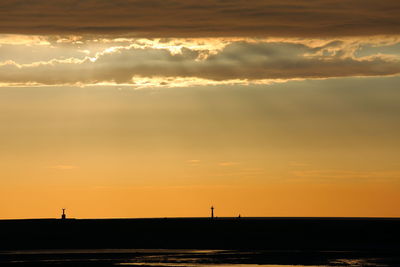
[193, 162]
[344, 174]
[228, 163]
[193, 18]
[237, 62]
[298, 164]
[63, 167]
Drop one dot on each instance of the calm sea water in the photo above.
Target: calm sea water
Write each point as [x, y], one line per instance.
[194, 258]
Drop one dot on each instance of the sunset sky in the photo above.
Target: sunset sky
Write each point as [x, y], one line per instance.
[162, 108]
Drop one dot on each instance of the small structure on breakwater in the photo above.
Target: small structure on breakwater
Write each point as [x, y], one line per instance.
[63, 215]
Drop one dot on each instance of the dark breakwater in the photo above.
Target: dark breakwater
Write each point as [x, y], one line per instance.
[378, 234]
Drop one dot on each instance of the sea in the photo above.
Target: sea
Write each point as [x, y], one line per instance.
[195, 258]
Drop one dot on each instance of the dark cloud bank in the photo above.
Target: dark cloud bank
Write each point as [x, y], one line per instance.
[194, 18]
[240, 60]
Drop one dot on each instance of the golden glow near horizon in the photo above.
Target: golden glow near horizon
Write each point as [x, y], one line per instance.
[146, 116]
[301, 148]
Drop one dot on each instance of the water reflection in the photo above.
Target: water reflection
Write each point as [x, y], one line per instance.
[195, 258]
[218, 265]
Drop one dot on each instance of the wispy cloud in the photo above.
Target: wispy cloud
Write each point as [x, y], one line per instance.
[298, 164]
[193, 162]
[346, 174]
[228, 163]
[63, 167]
[142, 64]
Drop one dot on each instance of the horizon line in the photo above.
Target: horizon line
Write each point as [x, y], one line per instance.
[215, 218]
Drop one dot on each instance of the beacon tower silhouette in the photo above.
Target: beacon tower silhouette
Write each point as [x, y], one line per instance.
[63, 216]
[212, 212]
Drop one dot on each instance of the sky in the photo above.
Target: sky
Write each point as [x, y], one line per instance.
[134, 108]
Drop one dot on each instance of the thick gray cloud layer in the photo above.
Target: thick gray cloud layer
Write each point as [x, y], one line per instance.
[194, 18]
[238, 60]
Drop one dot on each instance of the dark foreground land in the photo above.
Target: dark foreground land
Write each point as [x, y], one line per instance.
[227, 241]
[196, 233]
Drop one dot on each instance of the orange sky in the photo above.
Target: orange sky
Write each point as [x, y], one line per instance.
[311, 148]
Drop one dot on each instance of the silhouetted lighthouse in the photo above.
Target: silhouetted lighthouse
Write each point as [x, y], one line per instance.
[63, 216]
[212, 212]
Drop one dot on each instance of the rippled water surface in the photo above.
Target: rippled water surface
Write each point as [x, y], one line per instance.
[195, 258]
